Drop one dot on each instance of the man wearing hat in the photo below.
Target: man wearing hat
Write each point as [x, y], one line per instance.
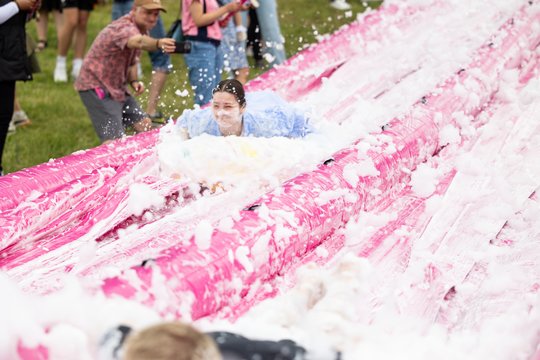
[111, 66]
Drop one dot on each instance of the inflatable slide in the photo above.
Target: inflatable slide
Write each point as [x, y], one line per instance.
[426, 118]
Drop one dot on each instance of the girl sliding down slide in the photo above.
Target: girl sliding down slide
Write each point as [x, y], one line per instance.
[267, 115]
[236, 139]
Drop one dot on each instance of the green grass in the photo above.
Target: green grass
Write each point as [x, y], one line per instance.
[60, 124]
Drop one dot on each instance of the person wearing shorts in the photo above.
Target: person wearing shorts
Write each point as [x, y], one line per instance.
[161, 62]
[87, 5]
[200, 25]
[111, 65]
[42, 21]
[111, 117]
[76, 14]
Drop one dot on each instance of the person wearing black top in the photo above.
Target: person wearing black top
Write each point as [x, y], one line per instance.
[14, 62]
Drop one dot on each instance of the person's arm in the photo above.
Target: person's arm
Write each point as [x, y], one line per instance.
[204, 19]
[300, 124]
[7, 11]
[182, 125]
[145, 42]
[133, 80]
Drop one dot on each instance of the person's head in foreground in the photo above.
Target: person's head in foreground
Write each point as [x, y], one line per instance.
[170, 341]
[228, 106]
[180, 341]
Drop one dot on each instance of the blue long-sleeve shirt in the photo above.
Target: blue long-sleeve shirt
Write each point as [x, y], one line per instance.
[266, 115]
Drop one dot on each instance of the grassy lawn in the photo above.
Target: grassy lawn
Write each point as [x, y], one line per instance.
[60, 124]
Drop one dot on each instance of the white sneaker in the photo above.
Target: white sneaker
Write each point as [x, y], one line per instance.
[340, 5]
[20, 118]
[12, 128]
[77, 64]
[60, 73]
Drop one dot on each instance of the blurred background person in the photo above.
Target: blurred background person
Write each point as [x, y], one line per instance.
[19, 117]
[75, 23]
[253, 46]
[200, 25]
[111, 65]
[234, 47]
[273, 41]
[42, 21]
[14, 63]
[161, 61]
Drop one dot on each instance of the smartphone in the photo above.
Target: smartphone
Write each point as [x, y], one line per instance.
[182, 47]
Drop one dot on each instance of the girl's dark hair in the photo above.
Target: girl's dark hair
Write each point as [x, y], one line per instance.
[234, 87]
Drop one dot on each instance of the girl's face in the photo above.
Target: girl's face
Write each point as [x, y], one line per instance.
[226, 110]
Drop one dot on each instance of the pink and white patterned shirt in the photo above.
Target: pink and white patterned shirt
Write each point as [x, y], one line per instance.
[107, 63]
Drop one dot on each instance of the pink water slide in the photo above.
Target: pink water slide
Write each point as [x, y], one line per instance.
[55, 203]
[52, 204]
[289, 223]
[47, 192]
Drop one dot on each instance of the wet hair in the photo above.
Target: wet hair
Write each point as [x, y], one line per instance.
[234, 87]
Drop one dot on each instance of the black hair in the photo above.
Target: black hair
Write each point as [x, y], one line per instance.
[234, 87]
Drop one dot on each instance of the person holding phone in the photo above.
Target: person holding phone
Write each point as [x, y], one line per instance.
[200, 26]
[111, 65]
[161, 61]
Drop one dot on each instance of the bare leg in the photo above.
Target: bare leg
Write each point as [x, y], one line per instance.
[158, 82]
[16, 105]
[71, 18]
[81, 34]
[58, 21]
[41, 26]
[80, 42]
[143, 125]
[19, 117]
[241, 75]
